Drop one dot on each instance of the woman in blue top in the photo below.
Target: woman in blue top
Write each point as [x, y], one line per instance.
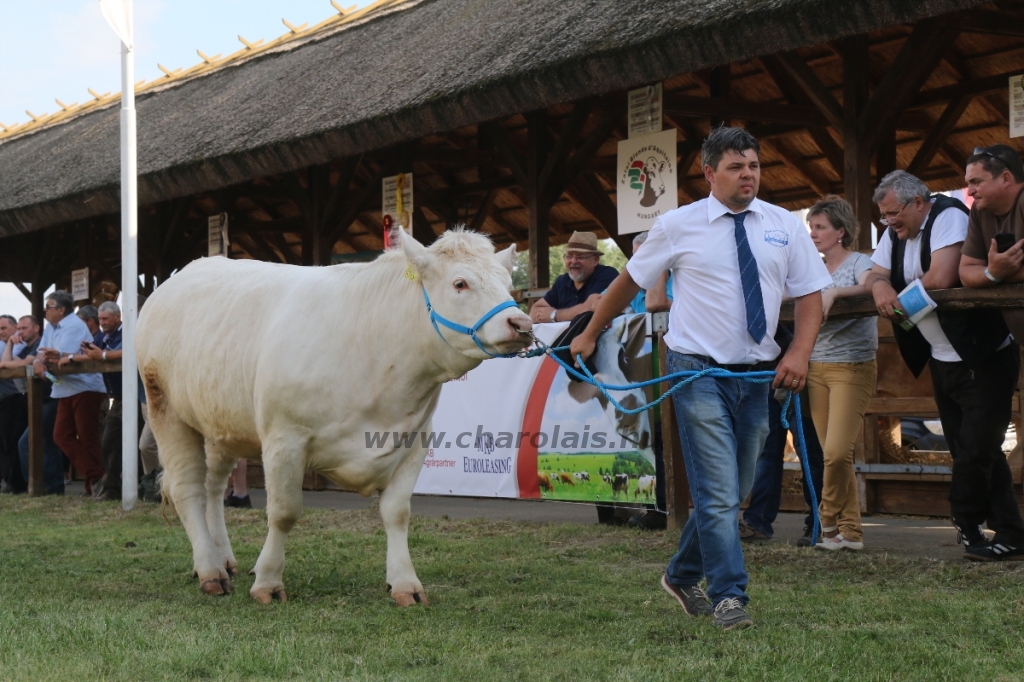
[842, 373]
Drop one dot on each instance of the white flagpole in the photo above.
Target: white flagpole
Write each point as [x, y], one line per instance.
[119, 14]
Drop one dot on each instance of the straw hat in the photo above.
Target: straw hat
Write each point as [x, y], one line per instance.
[583, 242]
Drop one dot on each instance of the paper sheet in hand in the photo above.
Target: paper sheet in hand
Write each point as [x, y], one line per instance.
[916, 303]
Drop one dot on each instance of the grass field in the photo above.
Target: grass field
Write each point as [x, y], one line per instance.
[88, 592]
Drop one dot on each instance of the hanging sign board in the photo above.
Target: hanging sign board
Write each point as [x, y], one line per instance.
[397, 207]
[645, 110]
[646, 180]
[1017, 106]
[80, 284]
[218, 235]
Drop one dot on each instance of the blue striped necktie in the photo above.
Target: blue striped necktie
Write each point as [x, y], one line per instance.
[757, 325]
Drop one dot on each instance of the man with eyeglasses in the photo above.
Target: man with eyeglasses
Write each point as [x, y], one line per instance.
[79, 396]
[974, 362]
[580, 288]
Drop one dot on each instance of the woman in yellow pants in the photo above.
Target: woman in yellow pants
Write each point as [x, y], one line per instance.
[842, 373]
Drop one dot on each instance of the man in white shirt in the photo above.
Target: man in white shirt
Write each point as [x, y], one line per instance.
[732, 258]
[974, 362]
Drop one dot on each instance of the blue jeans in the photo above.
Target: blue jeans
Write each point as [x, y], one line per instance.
[766, 496]
[53, 457]
[723, 424]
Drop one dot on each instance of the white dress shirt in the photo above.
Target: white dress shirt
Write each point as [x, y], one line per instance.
[949, 228]
[698, 243]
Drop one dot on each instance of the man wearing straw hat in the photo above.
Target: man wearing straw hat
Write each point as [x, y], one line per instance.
[580, 288]
[732, 258]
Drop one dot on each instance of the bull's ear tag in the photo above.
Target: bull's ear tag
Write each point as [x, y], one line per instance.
[410, 272]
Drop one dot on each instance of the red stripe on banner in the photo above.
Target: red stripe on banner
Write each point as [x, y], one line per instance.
[526, 462]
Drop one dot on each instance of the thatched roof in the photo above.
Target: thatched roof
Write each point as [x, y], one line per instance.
[424, 67]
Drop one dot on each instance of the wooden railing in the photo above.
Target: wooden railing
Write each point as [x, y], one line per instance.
[36, 390]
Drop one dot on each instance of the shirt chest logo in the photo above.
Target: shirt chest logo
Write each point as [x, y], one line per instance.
[776, 238]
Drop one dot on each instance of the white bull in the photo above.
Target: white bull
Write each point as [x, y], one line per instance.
[293, 366]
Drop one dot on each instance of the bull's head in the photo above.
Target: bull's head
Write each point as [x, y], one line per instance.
[465, 280]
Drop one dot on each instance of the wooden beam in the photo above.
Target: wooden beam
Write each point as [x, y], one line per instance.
[903, 79]
[355, 206]
[566, 139]
[812, 86]
[687, 105]
[989, 21]
[856, 153]
[940, 131]
[480, 217]
[24, 292]
[795, 160]
[512, 157]
[537, 204]
[579, 160]
[720, 87]
[975, 87]
[586, 190]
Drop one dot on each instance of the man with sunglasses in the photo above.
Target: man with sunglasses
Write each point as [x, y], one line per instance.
[580, 288]
[973, 360]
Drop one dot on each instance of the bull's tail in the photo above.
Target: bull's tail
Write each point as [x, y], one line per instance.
[165, 499]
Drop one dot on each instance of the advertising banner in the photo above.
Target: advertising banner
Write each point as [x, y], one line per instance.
[1017, 106]
[397, 207]
[522, 428]
[80, 284]
[217, 235]
[645, 106]
[646, 184]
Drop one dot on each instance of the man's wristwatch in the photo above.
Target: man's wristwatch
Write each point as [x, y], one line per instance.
[553, 314]
[991, 277]
[71, 357]
[104, 356]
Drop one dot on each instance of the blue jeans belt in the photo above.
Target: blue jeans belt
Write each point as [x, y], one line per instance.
[763, 366]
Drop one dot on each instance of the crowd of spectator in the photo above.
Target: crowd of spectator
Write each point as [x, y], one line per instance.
[81, 411]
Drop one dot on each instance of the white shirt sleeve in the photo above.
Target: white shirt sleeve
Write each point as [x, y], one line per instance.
[807, 273]
[883, 252]
[653, 258]
[949, 228]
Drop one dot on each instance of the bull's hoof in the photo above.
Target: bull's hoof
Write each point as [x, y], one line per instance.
[216, 586]
[407, 599]
[232, 570]
[266, 596]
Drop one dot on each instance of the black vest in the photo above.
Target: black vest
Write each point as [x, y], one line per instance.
[974, 334]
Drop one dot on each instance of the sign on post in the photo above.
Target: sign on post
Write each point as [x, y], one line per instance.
[1017, 106]
[80, 284]
[646, 182]
[397, 207]
[645, 105]
[218, 235]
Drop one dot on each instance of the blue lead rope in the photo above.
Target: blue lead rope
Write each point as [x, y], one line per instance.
[687, 377]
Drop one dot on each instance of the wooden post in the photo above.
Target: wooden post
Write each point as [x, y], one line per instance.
[36, 433]
[856, 155]
[677, 486]
[537, 200]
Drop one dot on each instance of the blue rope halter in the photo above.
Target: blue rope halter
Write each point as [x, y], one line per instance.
[469, 331]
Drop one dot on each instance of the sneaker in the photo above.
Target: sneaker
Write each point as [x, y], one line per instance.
[806, 540]
[649, 520]
[693, 599]
[994, 551]
[971, 536]
[730, 615]
[838, 542]
[750, 534]
[240, 502]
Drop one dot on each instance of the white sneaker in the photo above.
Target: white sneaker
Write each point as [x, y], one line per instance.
[838, 542]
